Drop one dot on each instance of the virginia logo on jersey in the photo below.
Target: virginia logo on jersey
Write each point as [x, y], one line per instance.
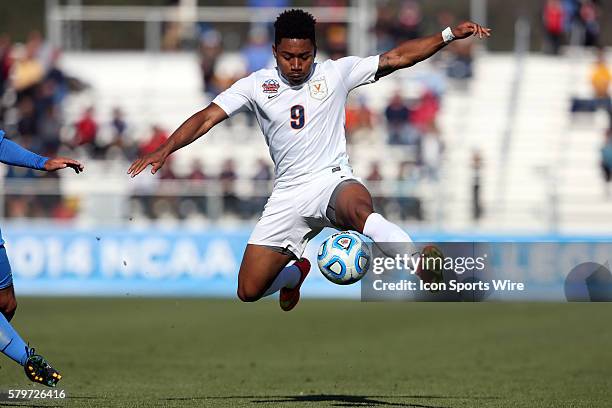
[270, 86]
[318, 88]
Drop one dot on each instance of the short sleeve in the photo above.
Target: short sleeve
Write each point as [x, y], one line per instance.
[237, 98]
[357, 71]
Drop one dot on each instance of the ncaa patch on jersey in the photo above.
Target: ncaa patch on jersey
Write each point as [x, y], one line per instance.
[270, 86]
[318, 88]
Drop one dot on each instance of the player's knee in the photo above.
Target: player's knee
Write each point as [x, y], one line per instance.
[359, 213]
[8, 306]
[249, 292]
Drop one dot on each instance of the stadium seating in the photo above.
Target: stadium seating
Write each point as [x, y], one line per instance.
[546, 177]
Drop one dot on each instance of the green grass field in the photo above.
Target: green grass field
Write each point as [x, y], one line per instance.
[221, 353]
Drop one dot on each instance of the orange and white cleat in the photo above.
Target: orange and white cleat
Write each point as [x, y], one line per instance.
[290, 297]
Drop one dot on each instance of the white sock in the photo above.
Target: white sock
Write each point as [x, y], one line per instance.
[289, 277]
[390, 239]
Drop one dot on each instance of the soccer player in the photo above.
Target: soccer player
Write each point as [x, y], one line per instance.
[36, 367]
[299, 106]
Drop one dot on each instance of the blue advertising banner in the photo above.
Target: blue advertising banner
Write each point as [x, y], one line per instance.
[52, 261]
[137, 262]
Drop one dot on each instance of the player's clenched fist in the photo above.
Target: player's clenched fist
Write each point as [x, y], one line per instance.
[468, 28]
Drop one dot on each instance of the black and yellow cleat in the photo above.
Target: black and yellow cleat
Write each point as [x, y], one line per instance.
[431, 268]
[38, 370]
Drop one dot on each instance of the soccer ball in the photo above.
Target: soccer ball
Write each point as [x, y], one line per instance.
[344, 258]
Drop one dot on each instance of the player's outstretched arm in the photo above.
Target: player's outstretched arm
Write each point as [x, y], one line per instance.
[414, 51]
[15, 155]
[193, 128]
[59, 163]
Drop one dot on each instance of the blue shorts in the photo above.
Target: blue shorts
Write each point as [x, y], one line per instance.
[6, 277]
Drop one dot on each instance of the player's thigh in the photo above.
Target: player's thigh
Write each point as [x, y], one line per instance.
[8, 303]
[353, 206]
[260, 266]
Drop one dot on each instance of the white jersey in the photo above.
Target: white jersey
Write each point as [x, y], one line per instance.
[304, 124]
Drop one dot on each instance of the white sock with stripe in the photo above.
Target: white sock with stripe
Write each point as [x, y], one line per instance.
[289, 277]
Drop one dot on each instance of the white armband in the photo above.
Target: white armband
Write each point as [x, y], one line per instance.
[447, 35]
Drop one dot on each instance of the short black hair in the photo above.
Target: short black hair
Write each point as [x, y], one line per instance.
[295, 23]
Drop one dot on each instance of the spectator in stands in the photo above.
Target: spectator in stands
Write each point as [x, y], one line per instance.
[336, 41]
[173, 30]
[408, 179]
[359, 121]
[461, 62]
[397, 114]
[263, 172]
[86, 130]
[477, 209]
[194, 204]
[282, 4]
[39, 49]
[374, 175]
[571, 12]
[210, 49]
[16, 207]
[49, 128]
[375, 179]
[257, 51]
[600, 81]
[257, 56]
[553, 17]
[59, 80]
[460, 54]
[424, 113]
[431, 149]
[331, 3]
[26, 70]
[44, 96]
[5, 60]
[261, 187]
[66, 209]
[197, 172]
[589, 14]
[27, 125]
[268, 3]
[120, 144]
[385, 19]
[118, 124]
[32, 72]
[408, 26]
[227, 177]
[167, 173]
[158, 136]
[606, 160]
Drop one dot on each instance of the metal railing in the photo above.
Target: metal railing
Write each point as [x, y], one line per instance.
[359, 18]
[111, 200]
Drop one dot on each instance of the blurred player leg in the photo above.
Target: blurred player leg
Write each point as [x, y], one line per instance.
[264, 271]
[11, 343]
[37, 369]
[8, 304]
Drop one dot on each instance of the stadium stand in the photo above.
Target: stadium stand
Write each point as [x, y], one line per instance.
[538, 164]
[549, 167]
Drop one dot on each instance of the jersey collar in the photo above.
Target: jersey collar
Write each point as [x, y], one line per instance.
[284, 80]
